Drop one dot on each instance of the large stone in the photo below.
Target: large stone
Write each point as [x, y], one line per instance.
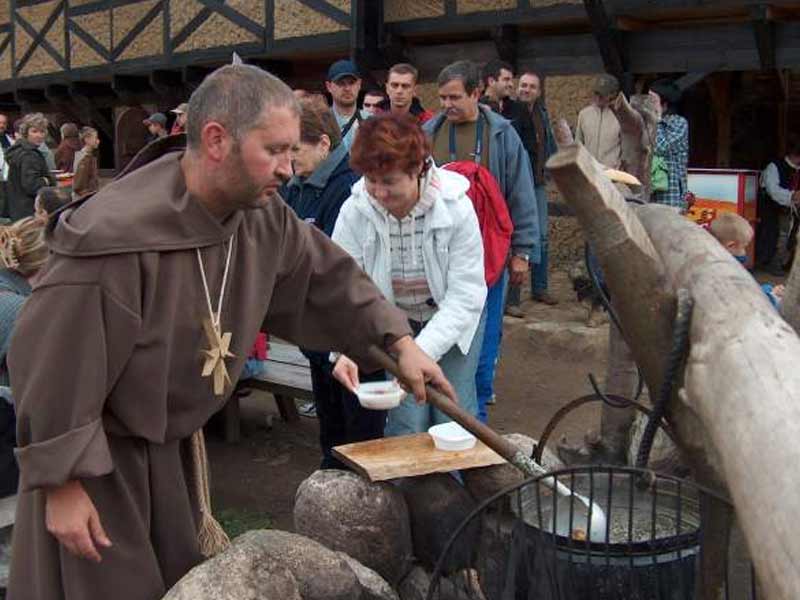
[373, 585]
[416, 585]
[245, 571]
[368, 521]
[485, 482]
[438, 504]
[271, 565]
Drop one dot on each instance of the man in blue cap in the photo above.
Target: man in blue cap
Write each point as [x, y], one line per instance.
[344, 84]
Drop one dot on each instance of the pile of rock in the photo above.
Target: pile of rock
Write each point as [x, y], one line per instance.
[358, 540]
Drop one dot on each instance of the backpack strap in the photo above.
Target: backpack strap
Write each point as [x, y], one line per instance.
[349, 125]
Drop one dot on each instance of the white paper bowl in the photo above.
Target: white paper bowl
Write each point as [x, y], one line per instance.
[380, 395]
[451, 436]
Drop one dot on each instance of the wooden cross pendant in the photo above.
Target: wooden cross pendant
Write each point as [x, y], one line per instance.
[218, 351]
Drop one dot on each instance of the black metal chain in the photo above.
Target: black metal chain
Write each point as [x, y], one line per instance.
[675, 361]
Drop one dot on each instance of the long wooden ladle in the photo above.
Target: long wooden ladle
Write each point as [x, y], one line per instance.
[587, 516]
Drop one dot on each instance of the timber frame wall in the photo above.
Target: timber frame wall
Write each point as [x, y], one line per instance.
[76, 56]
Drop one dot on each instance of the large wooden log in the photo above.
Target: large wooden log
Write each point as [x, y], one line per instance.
[643, 297]
[742, 381]
[790, 305]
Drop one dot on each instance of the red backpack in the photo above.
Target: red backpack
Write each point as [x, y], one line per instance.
[490, 207]
[493, 218]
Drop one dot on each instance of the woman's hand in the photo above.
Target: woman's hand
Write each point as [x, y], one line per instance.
[71, 517]
[346, 372]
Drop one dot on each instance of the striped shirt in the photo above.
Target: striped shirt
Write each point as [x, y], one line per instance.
[409, 283]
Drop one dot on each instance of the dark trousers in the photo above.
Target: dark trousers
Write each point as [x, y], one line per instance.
[768, 231]
[342, 419]
[9, 472]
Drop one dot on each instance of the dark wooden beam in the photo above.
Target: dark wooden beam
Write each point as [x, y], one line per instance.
[29, 98]
[506, 40]
[87, 96]
[366, 36]
[764, 31]
[167, 83]
[100, 93]
[193, 75]
[610, 43]
[8, 102]
[132, 89]
[280, 68]
[90, 114]
[58, 95]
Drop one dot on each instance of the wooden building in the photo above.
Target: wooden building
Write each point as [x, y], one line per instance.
[109, 62]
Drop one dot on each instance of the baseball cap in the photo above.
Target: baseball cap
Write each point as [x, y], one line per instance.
[342, 68]
[181, 109]
[159, 118]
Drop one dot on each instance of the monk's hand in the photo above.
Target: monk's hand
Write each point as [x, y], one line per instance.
[518, 268]
[70, 516]
[346, 372]
[417, 369]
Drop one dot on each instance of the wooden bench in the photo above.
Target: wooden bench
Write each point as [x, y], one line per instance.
[287, 376]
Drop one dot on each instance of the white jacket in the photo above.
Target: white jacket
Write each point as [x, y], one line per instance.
[452, 253]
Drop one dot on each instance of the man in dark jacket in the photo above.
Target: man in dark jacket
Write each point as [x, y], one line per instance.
[401, 91]
[28, 170]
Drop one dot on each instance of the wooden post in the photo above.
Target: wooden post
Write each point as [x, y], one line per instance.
[621, 380]
[719, 85]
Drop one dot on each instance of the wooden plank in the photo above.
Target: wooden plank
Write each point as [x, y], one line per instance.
[410, 456]
[286, 353]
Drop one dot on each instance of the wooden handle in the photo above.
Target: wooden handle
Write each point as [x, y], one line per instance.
[452, 409]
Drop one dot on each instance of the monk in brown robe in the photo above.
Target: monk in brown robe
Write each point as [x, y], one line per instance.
[118, 355]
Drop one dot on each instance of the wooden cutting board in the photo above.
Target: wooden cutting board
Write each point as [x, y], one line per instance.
[411, 455]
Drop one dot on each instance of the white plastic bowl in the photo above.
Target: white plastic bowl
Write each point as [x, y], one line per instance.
[380, 395]
[451, 436]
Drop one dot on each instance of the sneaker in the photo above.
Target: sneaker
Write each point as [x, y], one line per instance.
[544, 298]
[515, 311]
[309, 409]
[492, 401]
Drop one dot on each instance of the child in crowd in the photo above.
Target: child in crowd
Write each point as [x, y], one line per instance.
[735, 234]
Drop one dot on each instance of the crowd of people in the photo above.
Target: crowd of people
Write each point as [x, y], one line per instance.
[402, 228]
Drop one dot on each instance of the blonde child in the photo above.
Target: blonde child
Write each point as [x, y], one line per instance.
[735, 234]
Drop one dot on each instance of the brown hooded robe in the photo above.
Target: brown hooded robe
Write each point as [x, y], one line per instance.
[106, 361]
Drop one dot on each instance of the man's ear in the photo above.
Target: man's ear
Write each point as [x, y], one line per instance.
[215, 141]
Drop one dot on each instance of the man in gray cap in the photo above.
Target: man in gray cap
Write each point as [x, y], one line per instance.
[344, 84]
[598, 128]
[157, 126]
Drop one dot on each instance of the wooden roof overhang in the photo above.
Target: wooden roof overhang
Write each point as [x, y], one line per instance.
[78, 55]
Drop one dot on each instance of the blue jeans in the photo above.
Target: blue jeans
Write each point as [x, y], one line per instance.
[493, 311]
[459, 369]
[539, 271]
[539, 281]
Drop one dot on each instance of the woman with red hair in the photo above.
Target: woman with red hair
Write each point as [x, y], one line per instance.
[412, 228]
